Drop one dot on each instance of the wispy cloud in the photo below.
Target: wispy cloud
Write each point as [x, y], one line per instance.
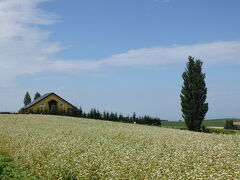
[25, 48]
[222, 52]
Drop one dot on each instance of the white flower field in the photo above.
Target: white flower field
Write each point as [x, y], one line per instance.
[54, 147]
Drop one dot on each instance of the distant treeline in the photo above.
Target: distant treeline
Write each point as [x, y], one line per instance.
[108, 116]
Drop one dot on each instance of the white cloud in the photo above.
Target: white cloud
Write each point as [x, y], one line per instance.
[25, 49]
[23, 45]
[222, 52]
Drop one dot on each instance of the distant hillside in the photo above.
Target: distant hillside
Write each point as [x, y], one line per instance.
[210, 122]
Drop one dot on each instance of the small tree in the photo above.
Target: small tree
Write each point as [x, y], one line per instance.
[37, 95]
[27, 99]
[229, 124]
[80, 112]
[134, 117]
[193, 95]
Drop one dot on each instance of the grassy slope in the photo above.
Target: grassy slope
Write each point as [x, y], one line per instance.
[54, 147]
[210, 122]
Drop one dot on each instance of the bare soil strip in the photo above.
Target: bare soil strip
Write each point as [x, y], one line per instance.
[215, 127]
[236, 123]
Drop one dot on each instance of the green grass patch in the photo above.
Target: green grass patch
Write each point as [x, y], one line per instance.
[8, 170]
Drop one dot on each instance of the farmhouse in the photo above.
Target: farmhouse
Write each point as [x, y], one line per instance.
[49, 102]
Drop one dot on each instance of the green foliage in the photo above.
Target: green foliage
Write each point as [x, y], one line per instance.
[193, 95]
[221, 131]
[27, 99]
[69, 176]
[229, 125]
[22, 111]
[217, 122]
[204, 129]
[37, 95]
[9, 171]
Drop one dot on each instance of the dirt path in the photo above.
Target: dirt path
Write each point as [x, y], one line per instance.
[215, 127]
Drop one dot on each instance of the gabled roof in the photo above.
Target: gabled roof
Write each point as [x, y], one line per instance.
[43, 97]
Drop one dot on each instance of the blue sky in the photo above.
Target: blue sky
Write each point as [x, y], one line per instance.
[125, 56]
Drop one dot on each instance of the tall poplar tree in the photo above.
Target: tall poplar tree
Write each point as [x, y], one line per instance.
[193, 95]
[27, 99]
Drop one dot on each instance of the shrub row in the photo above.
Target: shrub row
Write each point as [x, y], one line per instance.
[218, 131]
[96, 114]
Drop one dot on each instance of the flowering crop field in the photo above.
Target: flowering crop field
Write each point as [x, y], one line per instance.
[55, 147]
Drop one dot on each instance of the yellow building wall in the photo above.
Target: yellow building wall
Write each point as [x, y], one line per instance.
[39, 105]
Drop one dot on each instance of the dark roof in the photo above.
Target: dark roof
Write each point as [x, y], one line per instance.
[43, 97]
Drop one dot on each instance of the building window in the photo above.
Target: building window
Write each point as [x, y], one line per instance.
[61, 105]
[42, 105]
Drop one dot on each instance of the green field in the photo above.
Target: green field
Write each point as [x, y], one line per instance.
[55, 147]
[210, 122]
